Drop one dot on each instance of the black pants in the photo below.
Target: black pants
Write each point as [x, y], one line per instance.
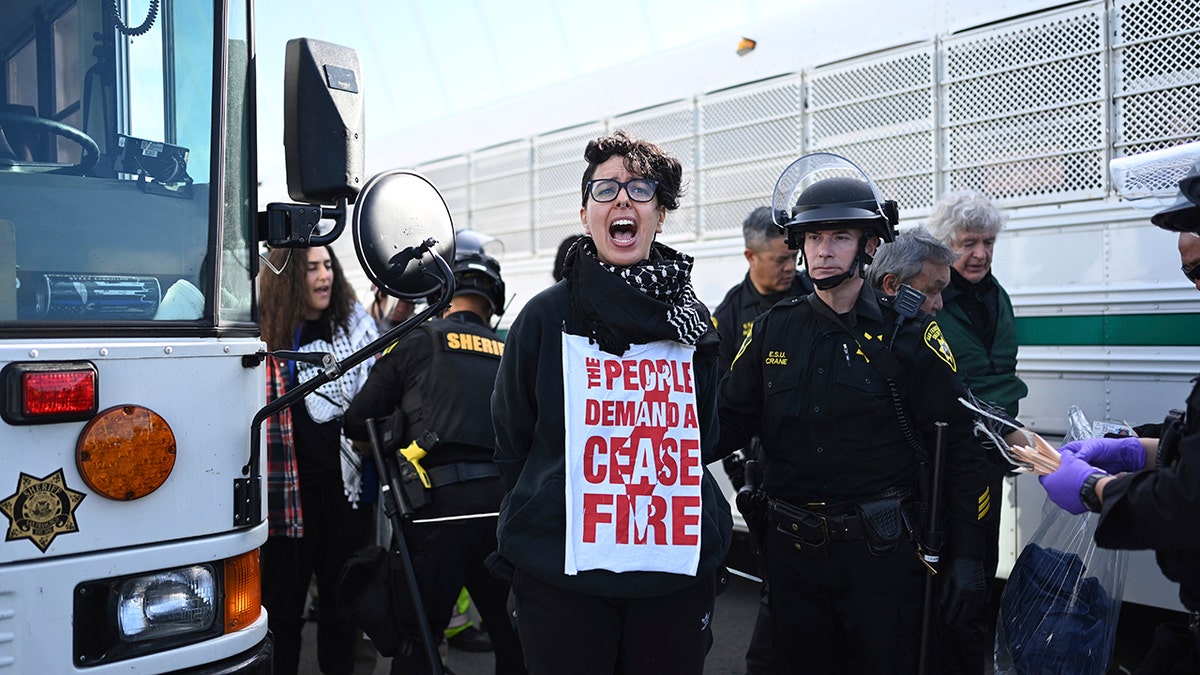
[967, 644]
[446, 557]
[1175, 650]
[760, 655]
[333, 531]
[569, 632]
[839, 609]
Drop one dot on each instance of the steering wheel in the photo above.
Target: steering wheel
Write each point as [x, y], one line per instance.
[91, 151]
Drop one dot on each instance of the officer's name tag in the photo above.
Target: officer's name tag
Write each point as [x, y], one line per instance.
[633, 467]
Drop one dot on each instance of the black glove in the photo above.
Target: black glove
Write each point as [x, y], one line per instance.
[964, 589]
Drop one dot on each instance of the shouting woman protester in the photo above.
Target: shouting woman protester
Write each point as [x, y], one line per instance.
[314, 479]
[605, 415]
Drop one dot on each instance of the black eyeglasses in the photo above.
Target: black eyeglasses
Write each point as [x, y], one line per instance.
[607, 189]
[1192, 272]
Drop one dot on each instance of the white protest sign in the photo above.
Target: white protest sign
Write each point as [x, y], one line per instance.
[633, 466]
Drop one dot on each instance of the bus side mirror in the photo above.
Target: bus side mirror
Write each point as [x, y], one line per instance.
[322, 122]
[322, 142]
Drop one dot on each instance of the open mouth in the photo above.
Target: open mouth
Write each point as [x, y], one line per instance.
[622, 231]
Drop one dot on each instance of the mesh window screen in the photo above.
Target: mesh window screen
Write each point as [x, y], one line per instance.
[1024, 108]
[558, 166]
[1027, 110]
[747, 137]
[879, 114]
[450, 177]
[672, 127]
[1156, 75]
[500, 195]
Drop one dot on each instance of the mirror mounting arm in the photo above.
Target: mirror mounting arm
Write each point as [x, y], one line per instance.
[293, 225]
[247, 491]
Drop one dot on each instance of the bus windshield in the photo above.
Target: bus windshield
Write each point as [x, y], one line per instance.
[112, 210]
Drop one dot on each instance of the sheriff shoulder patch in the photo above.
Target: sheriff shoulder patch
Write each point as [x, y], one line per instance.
[937, 343]
[41, 509]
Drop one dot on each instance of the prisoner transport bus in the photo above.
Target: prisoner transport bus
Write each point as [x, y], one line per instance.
[133, 378]
[1026, 101]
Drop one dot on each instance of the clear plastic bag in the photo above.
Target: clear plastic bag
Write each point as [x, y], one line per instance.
[1059, 609]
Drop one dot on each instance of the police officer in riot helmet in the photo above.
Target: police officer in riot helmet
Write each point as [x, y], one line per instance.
[844, 389]
[476, 272]
[1147, 490]
[438, 381]
[772, 276]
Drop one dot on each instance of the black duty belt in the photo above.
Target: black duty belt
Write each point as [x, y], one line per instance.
[814, 525]
[1194, 622]
[460, 472]
[810, 527]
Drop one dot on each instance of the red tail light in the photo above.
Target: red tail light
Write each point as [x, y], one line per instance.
[44, 393]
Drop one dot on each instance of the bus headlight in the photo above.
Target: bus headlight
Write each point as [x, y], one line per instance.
[168, 603]
[124, 617]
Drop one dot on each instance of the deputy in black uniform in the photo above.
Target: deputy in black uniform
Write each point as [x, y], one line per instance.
[771, 277]
[439, 378]
[844, 396]
[1147, 491]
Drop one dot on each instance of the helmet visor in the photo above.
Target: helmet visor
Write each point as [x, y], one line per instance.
[810, 169]
[1150, 180]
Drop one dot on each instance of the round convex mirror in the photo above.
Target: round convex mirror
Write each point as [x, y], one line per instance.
[395, 212]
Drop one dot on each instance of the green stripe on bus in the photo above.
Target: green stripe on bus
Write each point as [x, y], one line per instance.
[1111, 330]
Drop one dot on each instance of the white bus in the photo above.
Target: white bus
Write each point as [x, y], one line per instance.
[131, 473]
[1026, 101]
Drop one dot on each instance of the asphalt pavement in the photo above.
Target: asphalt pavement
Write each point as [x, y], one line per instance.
[733, 621]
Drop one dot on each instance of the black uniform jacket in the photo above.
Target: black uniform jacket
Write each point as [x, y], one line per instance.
[440, 377]
[826, 419]
[1160, 510]
[736, 313]
[527, 409]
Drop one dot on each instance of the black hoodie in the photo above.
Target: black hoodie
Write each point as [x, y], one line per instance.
[527, 411]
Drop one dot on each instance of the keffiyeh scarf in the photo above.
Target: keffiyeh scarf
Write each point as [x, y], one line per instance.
[666, 277]
[329, 401]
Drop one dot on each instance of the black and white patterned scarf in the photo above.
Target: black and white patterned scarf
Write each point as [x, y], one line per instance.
[667, 277]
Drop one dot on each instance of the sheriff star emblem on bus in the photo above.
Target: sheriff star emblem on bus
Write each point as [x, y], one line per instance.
[41, 509]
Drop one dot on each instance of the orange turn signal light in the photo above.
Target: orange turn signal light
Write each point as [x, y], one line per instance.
[125, 452]
[243, 591]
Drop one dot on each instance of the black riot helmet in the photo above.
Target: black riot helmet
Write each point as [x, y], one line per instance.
[475, 271]
[824, 191]
[1166, 181]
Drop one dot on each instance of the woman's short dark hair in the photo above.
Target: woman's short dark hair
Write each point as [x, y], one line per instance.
[643, 159]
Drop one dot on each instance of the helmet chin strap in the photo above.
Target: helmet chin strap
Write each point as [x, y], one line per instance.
[859, 266]
[833, 282]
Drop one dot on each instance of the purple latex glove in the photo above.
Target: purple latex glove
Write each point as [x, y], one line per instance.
[1113, 455]
[1062, 486]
